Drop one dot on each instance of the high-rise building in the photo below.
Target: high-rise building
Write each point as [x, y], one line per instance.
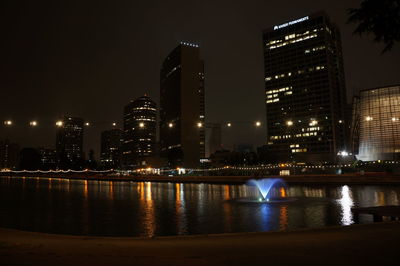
[305, 90]
[376, 124]
[48, 158]
[69, 142]
[111, 142]
[182, 107]
[140, 132]
[9, 153]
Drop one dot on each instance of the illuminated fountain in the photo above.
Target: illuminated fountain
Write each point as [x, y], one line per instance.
[270, 189]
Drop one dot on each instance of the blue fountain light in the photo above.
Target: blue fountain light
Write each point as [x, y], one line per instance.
[265, 185]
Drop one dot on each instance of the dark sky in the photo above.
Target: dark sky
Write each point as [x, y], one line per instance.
[90, 58]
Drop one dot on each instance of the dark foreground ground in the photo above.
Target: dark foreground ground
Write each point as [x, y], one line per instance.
[373, 244]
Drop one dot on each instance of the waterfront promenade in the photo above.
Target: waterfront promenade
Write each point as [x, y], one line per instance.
[372, 244]
[369, 178]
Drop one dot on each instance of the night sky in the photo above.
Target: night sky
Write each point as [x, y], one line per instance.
[90, 58]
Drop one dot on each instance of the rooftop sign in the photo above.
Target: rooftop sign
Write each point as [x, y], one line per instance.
[277, 27]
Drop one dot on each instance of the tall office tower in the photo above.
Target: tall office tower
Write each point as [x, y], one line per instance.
[140, 129]
[9, 153]
[69, 142]
[182, 108]
[376, 124]
[111, 142]
[305, 90]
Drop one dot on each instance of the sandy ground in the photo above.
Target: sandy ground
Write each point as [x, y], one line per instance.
[373, 244]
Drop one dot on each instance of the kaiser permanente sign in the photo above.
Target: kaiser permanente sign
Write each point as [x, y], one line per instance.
[290, 23]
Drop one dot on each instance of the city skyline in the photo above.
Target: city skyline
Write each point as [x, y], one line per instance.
[189, 132]
[250, 105]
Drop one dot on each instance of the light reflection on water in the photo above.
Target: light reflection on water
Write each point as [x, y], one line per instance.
[151, 209]
[346, 203]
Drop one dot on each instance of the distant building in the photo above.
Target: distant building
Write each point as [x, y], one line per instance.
[140, 132]
[214, 137]
[376, 124]
[243, 147]
[9, 154]
[182, 107]
[111, 152]
[305, 90]
[224, 157]
[220, 158]
[69, 142]
[48, 158]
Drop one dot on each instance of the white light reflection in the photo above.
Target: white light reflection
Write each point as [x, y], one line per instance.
[346, 202]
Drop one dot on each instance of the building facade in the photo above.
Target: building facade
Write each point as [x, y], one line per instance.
[9, 154]
[182, 107]
[140, 132]
[69, 142]
[305, 90]
[48, 158]
[376, 124]
[110, 150]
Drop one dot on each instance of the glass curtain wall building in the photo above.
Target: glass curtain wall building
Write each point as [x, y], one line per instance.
[140, 132]
[304, 90]
[182, 107]
[377, 120]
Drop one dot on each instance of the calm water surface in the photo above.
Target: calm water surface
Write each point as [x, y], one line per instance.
[153, 209]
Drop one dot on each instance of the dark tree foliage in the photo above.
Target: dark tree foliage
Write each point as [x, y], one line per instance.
[379, 17]
[30, 159]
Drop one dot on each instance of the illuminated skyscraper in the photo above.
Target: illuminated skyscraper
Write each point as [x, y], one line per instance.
[305, 90]
[140, 129]
[69, 141]
[182, 108]
[376, 124]
[111, 142]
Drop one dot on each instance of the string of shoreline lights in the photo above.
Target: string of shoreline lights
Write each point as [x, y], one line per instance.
[60, 123]
[150, 170]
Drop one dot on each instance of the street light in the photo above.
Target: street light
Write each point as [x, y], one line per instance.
[114, 124]
[8, 123]
[199, 125]
[141, 125]
[289, 123]
[170, 125]
[229, 125]
[87, 124]
[33, 123]
[59, 123]
[258, 123]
